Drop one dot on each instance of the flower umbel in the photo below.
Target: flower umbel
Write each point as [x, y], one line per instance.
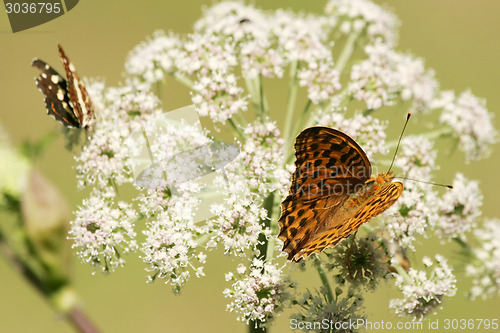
[197, 190]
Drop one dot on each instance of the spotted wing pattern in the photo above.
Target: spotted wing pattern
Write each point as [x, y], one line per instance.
[330, 166]
[66, 100]
[346, 221]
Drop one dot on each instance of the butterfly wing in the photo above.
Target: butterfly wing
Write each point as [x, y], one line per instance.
[329, 167]
[57, 100]
[327, 160]
[80, 100]
[334, 230]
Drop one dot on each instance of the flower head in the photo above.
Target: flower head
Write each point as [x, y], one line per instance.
[485, 267]
[470, 122]
[459, 208]
[364, 16]
[424, 291]
[102, 232]
[260, 294]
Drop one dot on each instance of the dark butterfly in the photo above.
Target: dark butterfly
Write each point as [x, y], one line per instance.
[67, 100]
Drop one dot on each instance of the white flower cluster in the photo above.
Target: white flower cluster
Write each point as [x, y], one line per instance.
[459, 208]
[367, 131]
[355, 16]
[321, 80]
[102, 233]
[258, 292]
[300, 37]
[218, 96]
[104, 159]
[413, 214]
[261, 157]
[171, 245]
[388, 76]
[225, 63]
[424, 291]
[470, 122]
[485, 267]
[150, 61]
[238, 220]
[416, 158]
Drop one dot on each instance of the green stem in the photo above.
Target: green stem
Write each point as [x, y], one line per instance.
[253, 329]
[368, 112]
[298, 127]
[347, 51]
[303, 117]
[263, 103]
[436, 134]
[263, 242]
[182, 79]
[237, 129]
[465, 247]
[290, 110]
[273, 225]
[401, 271]
[253, 94]
[324, 279]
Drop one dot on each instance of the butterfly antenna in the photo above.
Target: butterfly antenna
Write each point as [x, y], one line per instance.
[399, 141]
[423, 181]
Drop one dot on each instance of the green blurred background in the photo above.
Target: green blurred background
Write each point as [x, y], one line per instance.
[457, 38]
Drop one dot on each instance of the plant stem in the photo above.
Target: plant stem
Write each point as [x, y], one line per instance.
[263, 243]
[273, 225]
[465, 247]
[303, 117]
[324, 279]
[253, 329]
[80, 321]
[290, 110]
[438, 133]
[237, 130]
[263, 104]
[401, 271]
[182, 79]
[347, 51]
[253, 94]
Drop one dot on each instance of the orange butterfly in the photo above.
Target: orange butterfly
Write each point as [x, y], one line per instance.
[332, 192]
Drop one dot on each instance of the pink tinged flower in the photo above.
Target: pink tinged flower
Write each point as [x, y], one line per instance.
[416, 157]
[459, 208]
[387, 76]
[259, 296]
[321, 80]
[470, 121]
[356, 15]
[484, 269]
[102, 232]
[412, 215]
[150, 61]
[423, 291]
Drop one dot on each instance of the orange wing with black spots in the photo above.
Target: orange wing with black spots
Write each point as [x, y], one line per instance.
[339, 226]
[327, 161]
[320, 209]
